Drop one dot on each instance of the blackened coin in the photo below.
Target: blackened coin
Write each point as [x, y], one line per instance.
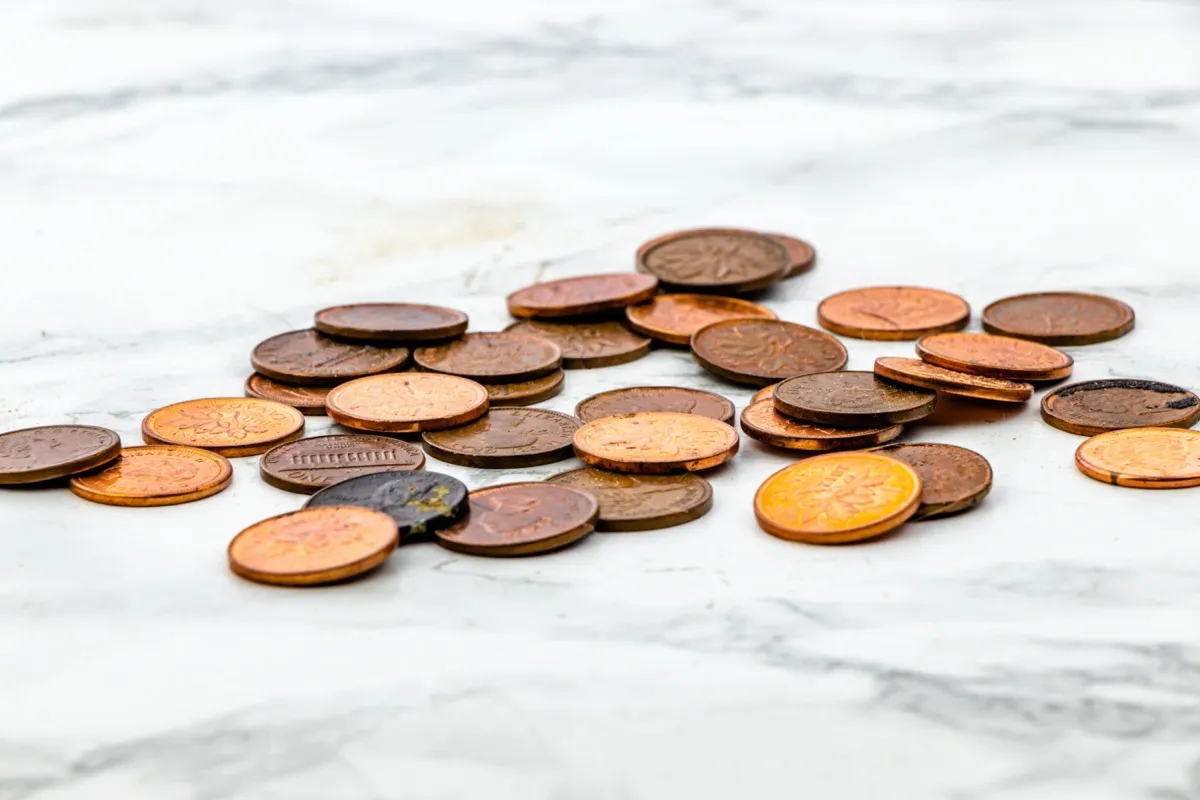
[420, 502]
[852, 400]
[1094, 407]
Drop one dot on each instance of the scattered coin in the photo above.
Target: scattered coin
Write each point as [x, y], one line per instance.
[761, 421]
[307, 465]
[1142, 458]
[893, 312]
[522, 519]
[31, 455]
[588, 294]
[1059, 318]
[1093, 407]
[953, 479]
[503, 357]
[852, 400]
[525, 393]
[399, 323]
[641, 502]
[763, 351]
[655, 442]
[311, 358]
[915, 372]
[655, 398]
[673, 318]
[419, 502]
[308, 400]
[414, 401]
[586, 345]
[506, 438]
[995, 356]
[231, 426]
[801, 255]
[156, 476]
[714, 260]
[765, 393]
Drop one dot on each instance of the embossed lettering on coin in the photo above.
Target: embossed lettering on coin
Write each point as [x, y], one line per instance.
[995, 356]
[641, 502]
[763, 351]
[309, 357]
[656, 442]
[506, 438]
[1143, 458]
[307, 465]
[231, 426]
[519, 519]
[1093, 407]
[586, 345]
[156, 476]
[30, 455]
[893, 312]
[1059, 318]
[724, 259]
[953, 478]
[655, 398]
[587, 294]
[673, 318]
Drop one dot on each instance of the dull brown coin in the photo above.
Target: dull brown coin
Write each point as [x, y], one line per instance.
[852, 400]
[394, 323]
[525, 393]
[655, 398]
[503, 357]
[673, 318]
[641, 502]
[587, 294]
[231, 426]
[310, 358]
[31, 455]
[1142, 458]
[521, 519]
[1093, 407]
[762, 351]
[915, 372]
[762, 422]
[314, 546]
[586, 345]
[306, 465]
[995, 356]
[308, 400]
[1059, 318]
[953, 479]
[801, 255]
[506, 438]
[414, 401]
[893, 312]
[714, 260]
[656, 442]
[159, 475]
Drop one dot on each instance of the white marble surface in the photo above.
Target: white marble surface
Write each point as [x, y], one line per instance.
[179, 180]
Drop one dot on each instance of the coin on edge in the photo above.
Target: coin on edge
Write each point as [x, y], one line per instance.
[655, 442]
[1059, 318]
[525, 393]
[413, 401]
[400, 323]
[638, 399]
[312, 358]
[521, 519]
[586, 345]
[231, 426]
[915, 372]
[892, 313]
[587, 294]
[852, 400]
[953, 479]
[506, 438]
[158, 475]
[641, 502]
[761, 421]
[762, 351]
[995, 356]
[714, 260]
[673, 318]
[502, 357]
[31, 455]
[1142, 458]
[306, 465]
[419, 502]
[308, 400]
[1093, 407]
[801, 254]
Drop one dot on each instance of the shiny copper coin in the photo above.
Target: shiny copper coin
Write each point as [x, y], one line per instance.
[31, 455]
[852, 400]
[762, 422]
[801, 255]
[1059, 318]
[995, 356]
[641, 502]
[586, 345]
[156, 476]
[765, 393]
[525, 393]
[310, 358]
[714, 260]
[1093, 407]
[503, 357]
[306, 465]
[673, 318]
[414, 401]
[308, 400]
[231, 426]
[399, 323]
[953, 479]
[893, 312]
[587, 294]
[655, 398]
[762, 351]
[656, 442]
[314, 546]
[915, 372]
[1142, 458]
[521, 519]
[506, 438]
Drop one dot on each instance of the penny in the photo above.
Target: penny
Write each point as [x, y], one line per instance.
[893, 312]
[801, 255]
[31, 455]
[401, 323]
[655, 442]
[525, 393]
[419, 502]
[585, 345]
[1059, 318]
[1093, 407]
[641, 502]
[852, 400]
[915, 372]
[673, 318]
[308, 400]
[522, 519]
[307, 465]
[231, 426]
[1142, 458]
[160, 475]
[762, 351]
[714, 260]
[953, 479]
[765, 393]
[995, 356]
[314, 546]
[503, 357]
[311, 358]
[838, 497]
[506, 438]
[655, 398]
[414, 401]
[587, 294]
[761, 421]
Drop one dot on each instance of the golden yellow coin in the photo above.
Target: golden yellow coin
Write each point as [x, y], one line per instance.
[1143, 458]
[156, 476]
[231, 426]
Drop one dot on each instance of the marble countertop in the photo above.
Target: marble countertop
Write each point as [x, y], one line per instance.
[181, 179]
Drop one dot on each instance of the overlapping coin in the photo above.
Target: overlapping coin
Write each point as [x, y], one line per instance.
[852, 400]
[953, 479]
[637, 399]
[419, 502]
[801, 254]
[159, 475]
[309, 357]
[231, 426]
[33, 455]
[1093, 407]
[915, 372]
[761, 421]
[414, 401]
[641, 502]
[588, 294]
[762, 351]
[525, 393]
[656, 442]
[308, 400]
[995, 356]
[1059, 318]
[307, 465]
[673, 318]
[893, 312]
[399, 323]
[522, 519]
[586, 345]
[503, 357]
[719, 260]
[506, 438]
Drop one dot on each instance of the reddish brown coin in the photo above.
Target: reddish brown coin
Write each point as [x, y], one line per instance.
[160, 475]
[1059, 318]
[995, 356]
[414, 401]
[522, 519]
[762, 422]
[586, 345]
[953, 479]
[400, 323]
[525, 393]
[587, 294]
[852, 400]
[311, 358]
[641, 502]
[231, 426]
[656, 442]
[714, 260]
[308, 400]
[765, 393]
[306, 465]
[893, 312]
[915, 372]
[503, 357]
[763, 351]
[506, 438]
[1094, 407]
[655, 398]
[31, 455]
[801, 255]
[673, 318]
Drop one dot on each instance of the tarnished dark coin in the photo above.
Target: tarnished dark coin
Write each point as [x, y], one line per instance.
[714, 260]
[587, 294]
[641, 502]
[31, 455]
[506, 438]
[1093, 407]
[761, 421]
[308, 400]
[915, 372]
[586, 345]
[399, 323]
[801, 255]
[307, 465]
[893, 312]
[655, 398]
[1059, 318]
[762, 351]
[852, 400]
[673, 318]
[522, 519]
[995, 356]
[420, 502]
[503, 357]
[525, 393]
[953, 479]
[311, 358]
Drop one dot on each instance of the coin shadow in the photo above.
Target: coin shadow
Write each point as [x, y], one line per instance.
[956, 410]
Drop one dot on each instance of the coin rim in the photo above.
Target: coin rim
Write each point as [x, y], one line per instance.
[890, 335]
[938, 510]
[507, 461]
[547, 545]
[1080, 429]
[846, 419]
[508, 377]
[1064, 340]
[1097, 473]
[641, 349]
[864, 438]
[229, 451]
[736, 287]
[670, 336]
[220, 483]
[403, 426]
[391, 335]
[592, 306]
[279, 482]
[1009, 373]
[63, 469]
[728, 420]
[648, 523]
[308, 379]
[1020, 394]
[308, 411]
[795, 268]
[752, 380]
[656, 467]
[519, 401]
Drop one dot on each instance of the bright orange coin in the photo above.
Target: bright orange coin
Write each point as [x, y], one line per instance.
[995, 356]
[765, 393]
[673, 318]
[1143, 458]
[156, 476]
[231, 426]
[893, 312]
[655, 442]
[408, 402]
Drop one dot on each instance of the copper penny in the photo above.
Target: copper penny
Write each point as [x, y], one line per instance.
[673, 318]
[655, 398]
[995, 356]
[641, 502]
[160, 475]
[1142, 458]
[506, 438]
[714, 260]
[398, 323]
[953, 479]
[306, 465]
[801, 255]
[762, 351]
[587, 294]
[1059, 318]
[414, 401]
[765, 393]
[656, 442]
[1093, 407]
[521, 519]
[308, 400]
[314, 546]
[231, 426]
[915, 372]
[31, 455]
[852, 400]
[525, 393]
[503, 357]
[761, 421]
[311, 358]
[585, 345]
[893, 312]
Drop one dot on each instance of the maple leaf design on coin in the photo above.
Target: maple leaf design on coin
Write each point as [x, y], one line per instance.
[218, 423]
[841, 498]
